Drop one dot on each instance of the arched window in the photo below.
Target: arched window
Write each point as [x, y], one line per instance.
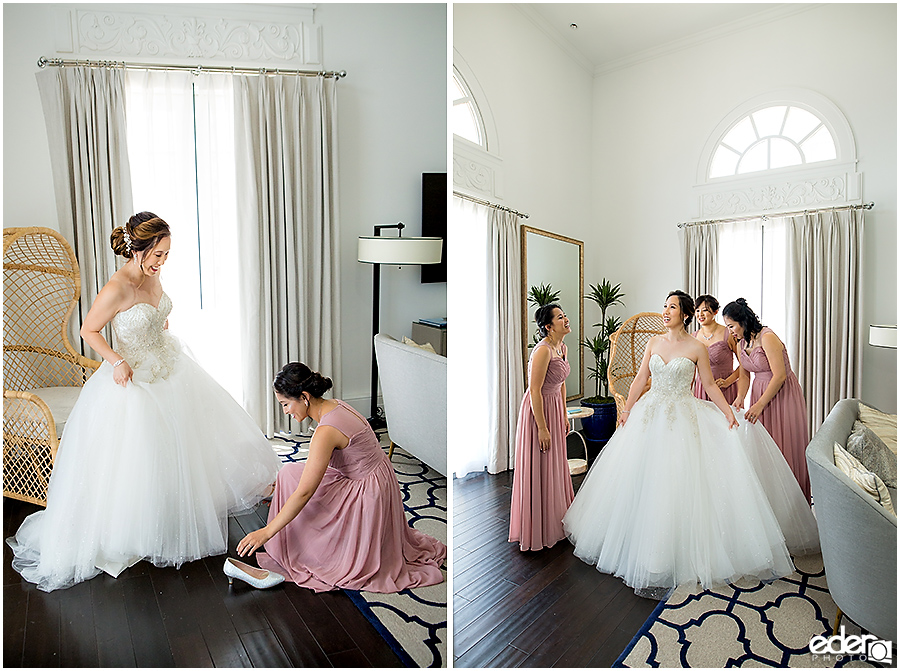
[785, 150]
[777, 136]
[466, 119]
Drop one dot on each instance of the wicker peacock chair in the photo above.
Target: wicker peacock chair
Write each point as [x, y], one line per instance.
[42, 373]
[627, 347]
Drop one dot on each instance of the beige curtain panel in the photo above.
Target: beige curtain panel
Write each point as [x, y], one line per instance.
[504, 309]
[825, 306]
[286, 156]
[84, 110]
[700, 253]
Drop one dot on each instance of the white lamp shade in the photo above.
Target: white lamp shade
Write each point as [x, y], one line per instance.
[883, 336]
[399, 251]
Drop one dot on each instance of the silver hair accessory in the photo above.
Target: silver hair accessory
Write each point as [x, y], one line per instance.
[127, 240]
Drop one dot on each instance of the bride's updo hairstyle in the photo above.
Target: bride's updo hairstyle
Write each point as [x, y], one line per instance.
[686, 303]
[543, 316]
[296, 377]
[143, 231]
[738, 311]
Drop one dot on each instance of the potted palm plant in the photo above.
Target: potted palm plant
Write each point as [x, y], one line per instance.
[600, 426]
[542, 294]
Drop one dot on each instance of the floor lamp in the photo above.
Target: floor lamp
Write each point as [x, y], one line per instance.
[397, 251]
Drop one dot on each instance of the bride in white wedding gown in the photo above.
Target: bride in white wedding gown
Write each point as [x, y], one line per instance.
[155, 454]
[684, 492]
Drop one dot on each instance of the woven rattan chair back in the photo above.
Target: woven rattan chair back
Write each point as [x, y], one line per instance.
[627, 347]
[41, 287]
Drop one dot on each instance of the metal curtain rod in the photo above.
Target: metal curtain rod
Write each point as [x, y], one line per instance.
[765, 216]
[489, 204]
[196, 69]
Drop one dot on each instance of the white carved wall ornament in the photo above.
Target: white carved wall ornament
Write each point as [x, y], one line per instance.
[782, 196]
[120, 35]
[472, 175]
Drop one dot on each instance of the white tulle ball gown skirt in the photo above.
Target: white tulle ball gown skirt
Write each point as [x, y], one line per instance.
[147, 471]
[676, 497]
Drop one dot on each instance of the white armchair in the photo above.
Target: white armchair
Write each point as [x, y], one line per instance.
[414, 392]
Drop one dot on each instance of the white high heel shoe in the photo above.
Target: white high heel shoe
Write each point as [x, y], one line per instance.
[256, 577]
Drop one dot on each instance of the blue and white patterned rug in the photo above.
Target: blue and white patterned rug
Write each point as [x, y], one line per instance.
[414, 621]
[749, 624]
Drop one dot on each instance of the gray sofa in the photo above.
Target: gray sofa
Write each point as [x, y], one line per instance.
[414, 391]
[858, 536]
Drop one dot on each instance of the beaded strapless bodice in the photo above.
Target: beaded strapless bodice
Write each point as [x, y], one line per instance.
[674, 377]
[144, 342]
[670, 391]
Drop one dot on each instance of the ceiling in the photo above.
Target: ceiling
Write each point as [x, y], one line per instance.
[614, 35]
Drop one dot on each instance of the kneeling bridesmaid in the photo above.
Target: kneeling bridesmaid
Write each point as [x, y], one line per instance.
[337, 521]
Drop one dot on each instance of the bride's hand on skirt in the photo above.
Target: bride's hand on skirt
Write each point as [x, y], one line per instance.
[122, 374]
[623, 417]
[253, 541]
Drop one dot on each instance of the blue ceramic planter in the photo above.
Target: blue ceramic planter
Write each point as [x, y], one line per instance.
[600, 426]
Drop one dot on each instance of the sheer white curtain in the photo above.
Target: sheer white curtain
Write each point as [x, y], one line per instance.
[181, 135]
[286, 154]
[825, 305]
[84, 111]
[753, 265]
[490, 343]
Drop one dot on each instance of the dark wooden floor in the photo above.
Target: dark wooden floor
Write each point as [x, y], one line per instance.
[157, 617]
[534, 609]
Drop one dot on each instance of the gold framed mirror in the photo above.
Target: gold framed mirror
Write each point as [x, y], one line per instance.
[558, 261]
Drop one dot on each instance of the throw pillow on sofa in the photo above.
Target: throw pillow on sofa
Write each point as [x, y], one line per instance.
[883, 424]
[412, 343]
[873, 453]
[870, 483]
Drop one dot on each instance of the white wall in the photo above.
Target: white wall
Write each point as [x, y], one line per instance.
[541, 104]
[652, 120]
[391, 129]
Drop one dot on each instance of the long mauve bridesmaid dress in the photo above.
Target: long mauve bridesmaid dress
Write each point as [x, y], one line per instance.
[785, 415]
[542, 487]
[721, 360]
[352, 533]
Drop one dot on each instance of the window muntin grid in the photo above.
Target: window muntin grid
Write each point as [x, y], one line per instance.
[778, 136]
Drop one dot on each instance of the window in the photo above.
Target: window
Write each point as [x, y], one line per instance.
[777, 136]
[753, 265]
[465, 119]
[181, 151]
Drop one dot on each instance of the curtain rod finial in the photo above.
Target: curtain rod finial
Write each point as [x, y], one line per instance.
[42, 62]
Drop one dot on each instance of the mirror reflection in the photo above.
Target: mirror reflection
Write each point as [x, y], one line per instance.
[555, 262]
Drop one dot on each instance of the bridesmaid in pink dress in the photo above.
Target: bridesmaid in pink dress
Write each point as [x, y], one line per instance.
[722, 348]
[542, 487]
[337, 521]
[776, 398]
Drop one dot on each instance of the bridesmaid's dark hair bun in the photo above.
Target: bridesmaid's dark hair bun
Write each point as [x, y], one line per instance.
[686, 303]
[143, 231]
[295, 378]
[543, 316]
[738, 311]
[711, 302]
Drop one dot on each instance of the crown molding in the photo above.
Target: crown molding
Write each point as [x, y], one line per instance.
[724, 30]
